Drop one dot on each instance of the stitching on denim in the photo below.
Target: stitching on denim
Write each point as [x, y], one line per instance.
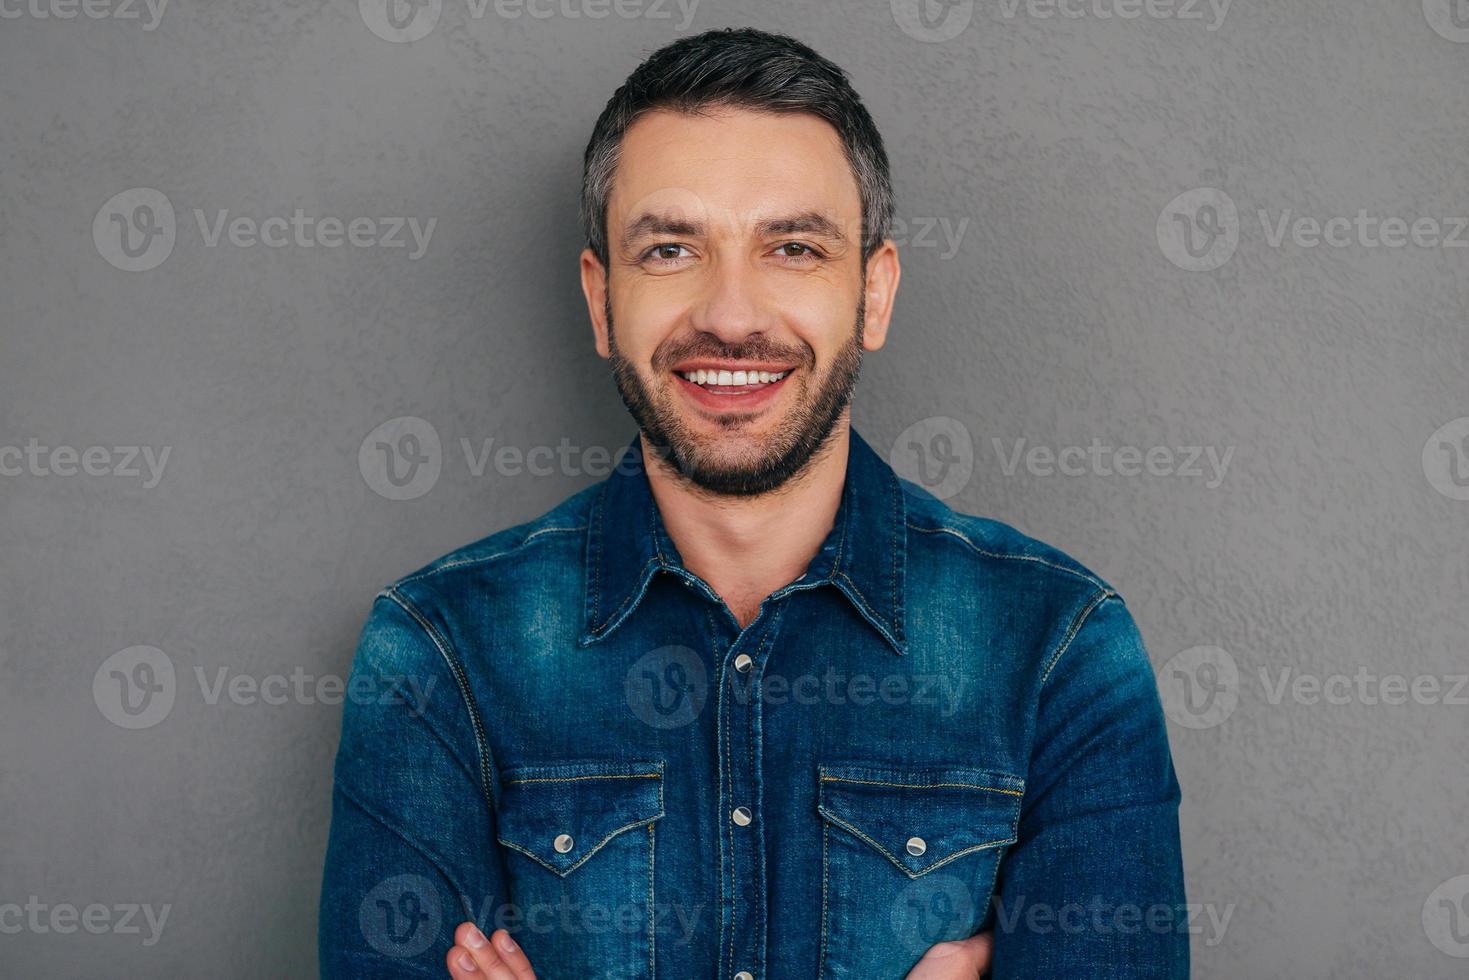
[882, 782]
[825, 878]
[594, 537]
[387, 825]
[633, 596]
[583, 859]
[465, 562]
[1009, 556]
[729, 836]
[900, 543]
[1075, 627]
[461, 680]
[868, 612]
[833, 818]
[652, 927]
[572, 779]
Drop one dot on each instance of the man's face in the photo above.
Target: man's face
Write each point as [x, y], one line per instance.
[734, 245]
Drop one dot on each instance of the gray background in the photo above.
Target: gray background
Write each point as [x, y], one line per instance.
[1056, 143]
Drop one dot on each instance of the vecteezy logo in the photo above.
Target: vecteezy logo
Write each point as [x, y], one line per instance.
[1199, 229]
[936, 453]
[1448, 18]
[400, 917]
[1199, 687]
[1446, 459]
[932, 21]
[135, 688]
[1446, 917]
[667, 687]
[401, 458]
[135, 230]
[931, 909]
[400, 21]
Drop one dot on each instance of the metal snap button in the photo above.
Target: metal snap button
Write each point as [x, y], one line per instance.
[916, 846]
[744, 975]
[743, 663]
[741, 816]
[563, 843]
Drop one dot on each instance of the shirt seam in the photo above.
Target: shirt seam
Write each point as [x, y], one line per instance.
[1010, 556]
[461, 680]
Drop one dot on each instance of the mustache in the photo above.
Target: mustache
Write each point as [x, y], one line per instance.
[755, 349]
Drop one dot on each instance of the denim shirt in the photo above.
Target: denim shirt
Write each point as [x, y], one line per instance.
[941, 726]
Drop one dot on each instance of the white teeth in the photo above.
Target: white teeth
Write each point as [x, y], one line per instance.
[702, 377]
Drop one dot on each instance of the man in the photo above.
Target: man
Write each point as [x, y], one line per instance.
[751, 707]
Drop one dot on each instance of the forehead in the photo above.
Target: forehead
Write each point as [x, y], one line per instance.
[732, 162]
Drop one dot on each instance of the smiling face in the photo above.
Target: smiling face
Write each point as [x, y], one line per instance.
[735, 303]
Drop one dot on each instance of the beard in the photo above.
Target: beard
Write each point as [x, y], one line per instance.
[797, 438]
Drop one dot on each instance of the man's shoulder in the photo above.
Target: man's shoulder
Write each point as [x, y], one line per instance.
[994, 547]
[501, 554]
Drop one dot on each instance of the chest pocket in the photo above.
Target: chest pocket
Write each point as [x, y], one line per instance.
[579, 842]
[909, 857]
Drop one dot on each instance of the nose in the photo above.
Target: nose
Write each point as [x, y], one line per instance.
[734, 302]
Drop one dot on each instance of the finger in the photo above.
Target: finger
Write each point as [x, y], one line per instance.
[963, 959]
[473, 958]
[513, 956]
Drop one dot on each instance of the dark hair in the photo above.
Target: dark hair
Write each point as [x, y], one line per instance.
[739, 68]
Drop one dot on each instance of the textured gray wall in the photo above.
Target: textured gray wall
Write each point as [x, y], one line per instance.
[1049, 295]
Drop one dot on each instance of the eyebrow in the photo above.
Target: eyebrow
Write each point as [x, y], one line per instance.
[804, 223]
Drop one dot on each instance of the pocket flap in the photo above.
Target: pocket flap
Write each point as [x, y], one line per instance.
[920, 818]
[560, 815]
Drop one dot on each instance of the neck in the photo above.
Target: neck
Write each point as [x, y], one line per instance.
[747, 547]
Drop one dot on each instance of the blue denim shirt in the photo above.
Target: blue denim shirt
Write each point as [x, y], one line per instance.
[941, 726]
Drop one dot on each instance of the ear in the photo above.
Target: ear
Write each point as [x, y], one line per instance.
[883, 272]
[594, 287]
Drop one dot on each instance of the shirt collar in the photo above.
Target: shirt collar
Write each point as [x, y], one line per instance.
[864, 555]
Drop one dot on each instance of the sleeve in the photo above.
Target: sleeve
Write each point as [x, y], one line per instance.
[1093, 886]
[411, 850]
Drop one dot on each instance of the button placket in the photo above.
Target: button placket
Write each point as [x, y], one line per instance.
[743, 947]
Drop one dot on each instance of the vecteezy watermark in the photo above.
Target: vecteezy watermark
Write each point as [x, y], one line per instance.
[402, 458]
[1103, 917]
[668, 687]
[129, 10]
[1448, 18]
[569, 917]
[137, 687]
[935, 454]
[136, 230]
[1200, 230]
[1446, 917]
[1446, 459]
[402, 21]
[934, 21]
[403, 915]
[1211, 12]
[931, 909]
[860, 690]
[1364, 686]
[129, 462]
[1102, 459]
[64, 918]
[1201, 687]
[926, 233]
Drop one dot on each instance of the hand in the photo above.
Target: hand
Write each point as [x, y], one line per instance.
[964, 959]
[502, 959]
[472, 957]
